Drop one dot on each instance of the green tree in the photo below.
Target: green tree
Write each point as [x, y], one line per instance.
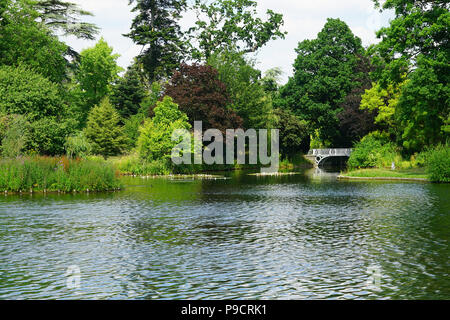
[294, 133]
[324, 73]
[97, 71]
[25, 92]
[128, 92]
[64, 16]
[243, 81]
[156, 28]
[25, 41]
[155, 141]
[232, 24]
[416, 44]
[103, 130]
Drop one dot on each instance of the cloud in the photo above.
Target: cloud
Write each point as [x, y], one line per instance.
[303, 20]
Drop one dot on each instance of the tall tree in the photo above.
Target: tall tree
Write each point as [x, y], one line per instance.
[156, 28]
[232, 24]
[356, 122]
[64, 16]
[203, 97]
[243, 81]
[416, 43]
[128, 92]
[97, 71]
[25, 41]
[324, 73]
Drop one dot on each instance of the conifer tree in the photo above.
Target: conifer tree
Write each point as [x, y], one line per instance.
[103, 130]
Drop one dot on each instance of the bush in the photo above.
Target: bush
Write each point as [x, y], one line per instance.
[56, 174]
[155, 140]
[78, 146]
[23, 91]
[373, 151]
[438, 164]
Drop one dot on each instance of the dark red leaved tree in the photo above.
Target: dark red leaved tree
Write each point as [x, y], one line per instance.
[203, 97]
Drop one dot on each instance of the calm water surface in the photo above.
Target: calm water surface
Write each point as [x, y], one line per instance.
[306, 236]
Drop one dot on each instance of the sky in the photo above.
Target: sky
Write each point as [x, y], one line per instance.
[303, 20]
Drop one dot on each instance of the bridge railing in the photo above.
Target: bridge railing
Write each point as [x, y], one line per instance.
[330, 152]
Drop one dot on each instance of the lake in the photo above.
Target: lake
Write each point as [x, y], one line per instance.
[305, 236]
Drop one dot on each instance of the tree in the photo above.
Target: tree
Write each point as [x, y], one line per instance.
[294, 133]
[324, 73]
[232, 24]
[103, 130]
[248, 97]
[156, 28]
[25, 41]
[64, 16]
[97, 71]
[39, 100]
[203, 97]
[356, 122]
[155, 140]
[26, 92]
[128, 92]
[416, 44]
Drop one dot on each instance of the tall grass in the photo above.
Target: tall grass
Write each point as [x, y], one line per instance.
[56, 174]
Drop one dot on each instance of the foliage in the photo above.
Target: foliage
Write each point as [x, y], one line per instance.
[373, 150]
[25, 41]
[248, 97]
[97, 71]
[156, 27]
[26, 92]
[324, 73]
[271, 80]
[424, 105]
[155, 140]
[383, 102]
[354, 122]
[56, 174]
[203, 97]
[103, 130]
[78, 146]
[128, 92]
[294, 134]
[232, 24]
[416, 43]
[438, 164]
[14, 134]
[63, 16]
[133, 123]
[47, 135]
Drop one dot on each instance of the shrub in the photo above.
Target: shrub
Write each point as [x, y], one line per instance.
[438, 164]
[155, 140]
[78, 146]
[373, 151]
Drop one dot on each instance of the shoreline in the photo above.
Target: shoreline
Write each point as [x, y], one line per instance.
[341, 177]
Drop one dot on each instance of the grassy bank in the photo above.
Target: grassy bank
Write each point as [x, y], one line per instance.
[413, 173]
[45, 174]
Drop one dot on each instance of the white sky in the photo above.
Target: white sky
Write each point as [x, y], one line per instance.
[303, 20]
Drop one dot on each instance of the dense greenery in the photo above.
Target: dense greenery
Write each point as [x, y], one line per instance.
[390, 102]
[56, 174]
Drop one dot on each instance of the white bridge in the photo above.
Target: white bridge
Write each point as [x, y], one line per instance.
[319, 155]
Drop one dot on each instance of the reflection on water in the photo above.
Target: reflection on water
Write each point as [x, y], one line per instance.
[286, 237]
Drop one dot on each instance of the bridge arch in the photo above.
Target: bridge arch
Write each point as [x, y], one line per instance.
[318, 156]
